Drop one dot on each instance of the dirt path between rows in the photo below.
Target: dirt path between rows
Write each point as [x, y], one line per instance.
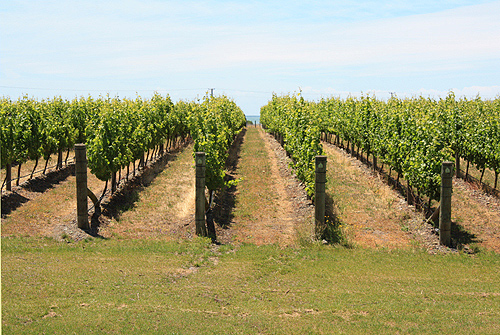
[375, 215]
[42, 210]
[370, 212]
[476, 215]
[266, 198]
[162, 209]
[267, 206]
[48, 206]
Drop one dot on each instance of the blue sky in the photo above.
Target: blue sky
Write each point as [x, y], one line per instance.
[249, 49]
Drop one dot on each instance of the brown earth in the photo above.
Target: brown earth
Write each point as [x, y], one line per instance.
[160, 205]
[25, 211]
[163, 206]
[372, 214]
[37, 209]
[475, 215]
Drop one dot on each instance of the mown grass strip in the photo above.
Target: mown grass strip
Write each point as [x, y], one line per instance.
[153, 287]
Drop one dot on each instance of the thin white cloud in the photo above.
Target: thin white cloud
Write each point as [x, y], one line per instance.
[466, 33]
[470, 33]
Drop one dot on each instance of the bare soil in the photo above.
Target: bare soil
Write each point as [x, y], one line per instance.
[32, 188]
[39, 208]
[475, 214]
[372, 214]
[160, 204]
[25, 210]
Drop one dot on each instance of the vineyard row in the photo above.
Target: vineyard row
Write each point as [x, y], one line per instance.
[412, 136]
[117, 131]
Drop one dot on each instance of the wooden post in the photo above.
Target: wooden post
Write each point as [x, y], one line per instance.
[445, 206]
[319, 196]
[409, 193]
[457, 164]
[200, 160]
[81, 186]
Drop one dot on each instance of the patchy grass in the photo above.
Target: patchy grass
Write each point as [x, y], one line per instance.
[153, 285]
[263, 212]
[162, 208]
[255, 187]
[370, 212]
[157, 287]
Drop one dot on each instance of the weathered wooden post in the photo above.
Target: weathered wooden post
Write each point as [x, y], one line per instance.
[81, 186]
[445, 206]
[200, 160]
[319, 196]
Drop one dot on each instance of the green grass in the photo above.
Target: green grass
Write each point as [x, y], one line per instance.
[154, 287]
[256, 186]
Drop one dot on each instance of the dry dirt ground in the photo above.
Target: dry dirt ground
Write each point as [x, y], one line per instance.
[160, 205]
[46, 205]
[39, 205]
[476, 215]
[377, 215]
[372, 214]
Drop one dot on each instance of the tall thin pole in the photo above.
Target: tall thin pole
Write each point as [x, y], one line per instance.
[201, 229]
[445, 206]
[319, 196]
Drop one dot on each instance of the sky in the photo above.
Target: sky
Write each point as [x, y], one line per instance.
[249, 50]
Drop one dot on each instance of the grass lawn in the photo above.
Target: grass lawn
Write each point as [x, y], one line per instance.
[191, 287]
